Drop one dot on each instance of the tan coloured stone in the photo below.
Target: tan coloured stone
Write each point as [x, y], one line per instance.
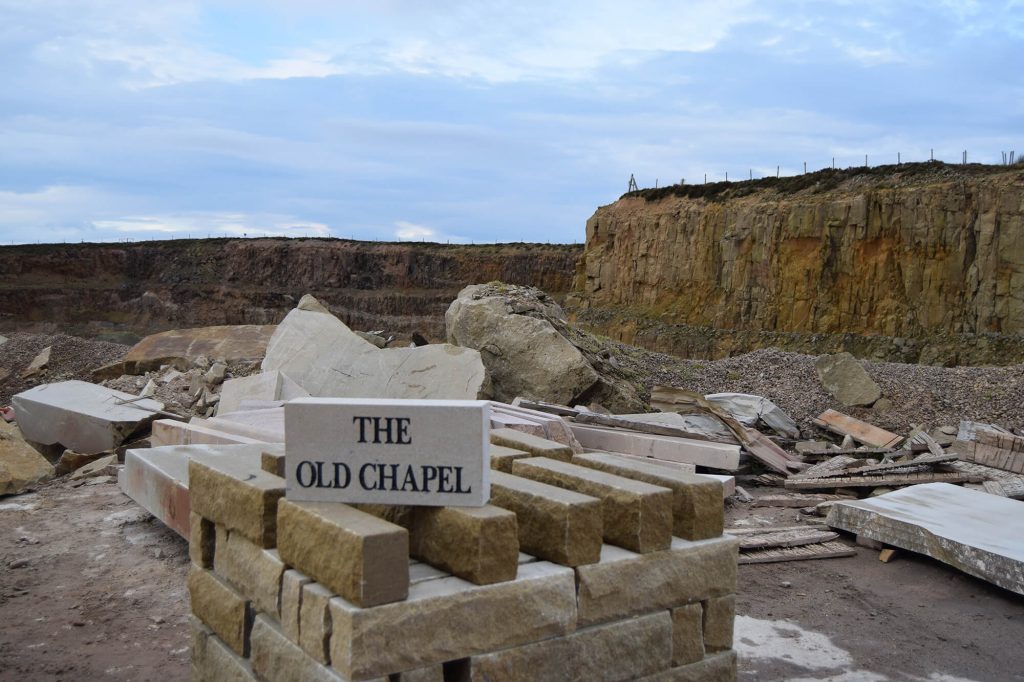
[212, 660]
[720, 667]
[357, 556]
[272, 463]
[315, 622]
[238, 495]
[624, 583]
[538, 447]
[502, 457]
[275, 658]
[432, 673]
[635, 515]
[623, 650]
[448, 618]
[20, 464]
[222, 609]
[697, 509]
[555, 524]
[687, 634]
[201, 540]
[719, 616]
[254, 572]
[478, 544]
[292, 583]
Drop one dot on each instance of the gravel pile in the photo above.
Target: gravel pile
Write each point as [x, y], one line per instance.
[71, 357]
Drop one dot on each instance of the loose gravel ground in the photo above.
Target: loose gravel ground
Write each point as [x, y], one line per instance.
[71, 357]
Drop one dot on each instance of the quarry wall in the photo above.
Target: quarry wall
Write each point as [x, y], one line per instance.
[920, 263]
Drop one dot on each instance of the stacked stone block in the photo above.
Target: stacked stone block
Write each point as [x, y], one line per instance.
[583, 567]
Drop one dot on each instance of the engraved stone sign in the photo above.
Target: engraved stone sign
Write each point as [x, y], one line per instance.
[384, 451]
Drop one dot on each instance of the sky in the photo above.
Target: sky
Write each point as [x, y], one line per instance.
[468, 121]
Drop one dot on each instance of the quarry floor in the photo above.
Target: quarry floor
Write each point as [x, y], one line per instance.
[93, 588]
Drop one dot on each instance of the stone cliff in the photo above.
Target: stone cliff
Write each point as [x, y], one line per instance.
[917, 263]
[128, 290]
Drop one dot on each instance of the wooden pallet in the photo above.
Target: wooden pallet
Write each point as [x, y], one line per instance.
[826, 550]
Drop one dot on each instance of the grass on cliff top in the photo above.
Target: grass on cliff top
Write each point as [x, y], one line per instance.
[825, 180]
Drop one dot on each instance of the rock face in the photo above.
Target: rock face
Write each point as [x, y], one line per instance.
[921, 263]
[846, 380]
[524, 341]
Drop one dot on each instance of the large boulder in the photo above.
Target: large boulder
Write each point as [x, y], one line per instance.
[20, 464]
[183, 347]
[529, 350]
[845, 379]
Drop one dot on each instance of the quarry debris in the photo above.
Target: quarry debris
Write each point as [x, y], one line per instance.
[750, 409]
[860, 431]
[21, 466]
[39, 363]
[267, 386]
[846, 380]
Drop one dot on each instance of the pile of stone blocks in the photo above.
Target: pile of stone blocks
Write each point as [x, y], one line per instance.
[582, 567]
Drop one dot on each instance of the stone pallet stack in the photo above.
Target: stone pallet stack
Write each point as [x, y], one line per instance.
[628, 576]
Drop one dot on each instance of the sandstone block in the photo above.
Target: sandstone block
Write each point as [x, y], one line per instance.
[238, 495]
[432, 673]
[212, 660]
[623, 650]
[687, 634]
[292, 583]
[20, 464]
[502, 457]
[253, 571]
[720, 667]
[525, 442]
[222, 609]
[624, 583]
[719, 614]
[315, 622]
[478, 544]
[448, 619]
[275, 658]
[697, 509]
[272, 463]
[201, 541]
[358, 556]
[555, 524]
[846, 380]
[635, 515]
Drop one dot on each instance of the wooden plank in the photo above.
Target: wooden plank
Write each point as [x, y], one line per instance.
[881, 469]
[879, 481]
[550, 408]
[837, 463]
[826, 550]
[740, 532]
[768, 453]
[793, 538]
[933, 447]
[795, 501]
[859, 453]
[862, 432]
[993, 488]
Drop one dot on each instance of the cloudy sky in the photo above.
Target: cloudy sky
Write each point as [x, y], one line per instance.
[468, 120]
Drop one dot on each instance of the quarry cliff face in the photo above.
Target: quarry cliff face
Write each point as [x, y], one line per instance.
[919, 264]
[128, 290]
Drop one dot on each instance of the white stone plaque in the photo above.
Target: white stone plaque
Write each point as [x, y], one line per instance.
[379, 451]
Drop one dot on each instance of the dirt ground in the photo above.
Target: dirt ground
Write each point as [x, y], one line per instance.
[93, 588]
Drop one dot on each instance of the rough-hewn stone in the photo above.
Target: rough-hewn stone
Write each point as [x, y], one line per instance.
[687, 634]
[525, 442]
[555, 524]
[720, 667]
[238, 495]
[315, 622]
[222, 609]
[635, 515]
[212, 660]
[354, 554]
[276, 658]
[20, 464]
[253, 571]
[202, 540]
[846, 380]
[478, 544]
[719, 615]
[502, 457]
[292, 583]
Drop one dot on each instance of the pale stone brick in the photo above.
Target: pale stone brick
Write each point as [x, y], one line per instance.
[291, 602]
[315, 622]
[254, 572]
[720, 667]
[697, 509]
[687, 634]
[449, 618]
[478, 544]
[201, 541]
[432, 673]
[623, 650]
[534, 445]
[237, 494]
[222, 609]
[635, 515]
[624, 583]
[719, 616]
[212, 660]
[276, 658]
[555, 524]
[354, 554]
[502, 457]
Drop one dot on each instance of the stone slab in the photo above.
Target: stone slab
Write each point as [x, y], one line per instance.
[354, 554]
[844, 377]
[978, 533]
[21, 465]
[720, 667]
[182, 347]
[384, 451]
[635, 515]
[502, 457]
[625, 583]
[697, 509]
[270, 386]
[221, 608]
[276, 658]
[212, 660]
[448, 619]
[174, 432]
[698, 452]
[555, 524]
[265, 425]
[612, 652]
[538, 447]
[253, 571]
[238, 494]
[84, 417]
[478, 544]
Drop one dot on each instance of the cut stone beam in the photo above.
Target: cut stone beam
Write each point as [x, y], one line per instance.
[554, 524]
[252, 570]
[274, 657]
[699, 452]
[538, 447]
[720, 667]
[978, 533]
[478, 544]
[173, 432]
[556, 428]
[697, 509]
[860, 431]
[502, 457]
[212, 660]
[223, 610]
[448, 618]
[354, 554]
[237, 494]
[635, 515]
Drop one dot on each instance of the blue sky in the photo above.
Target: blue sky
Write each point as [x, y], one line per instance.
[468, 120]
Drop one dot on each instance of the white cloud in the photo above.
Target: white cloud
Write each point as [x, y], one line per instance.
[413, 232]
[214, 224]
